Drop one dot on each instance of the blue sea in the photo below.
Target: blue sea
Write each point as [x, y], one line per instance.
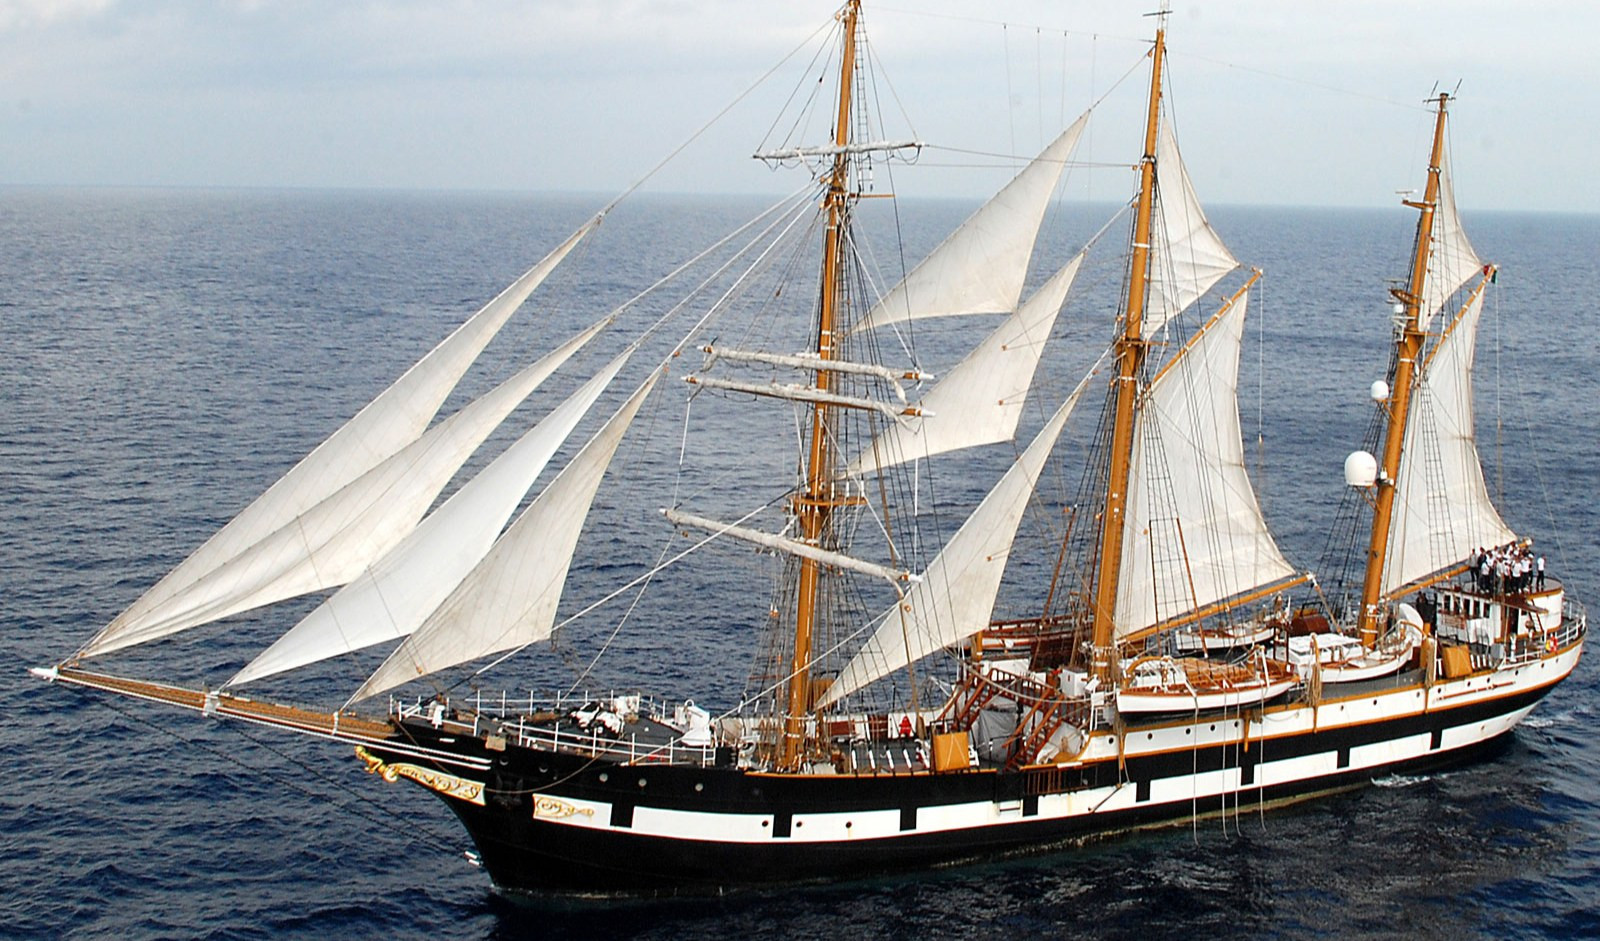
[167, 354]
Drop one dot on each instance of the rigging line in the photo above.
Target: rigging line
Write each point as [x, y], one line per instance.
[1068, 164]
[1133, 70]
[715, 118]
[1038, 79]
[610, 597]
[872, 55]
[409, 828]
[1300, 81]
[666, 546]
[1011, 118]
[822, 48]
[1533, 451]
[778, 210]
[1138, 40]
[720, 303]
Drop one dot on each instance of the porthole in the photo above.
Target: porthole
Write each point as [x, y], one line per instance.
[698, 787]
[604, 777]
[641, 782]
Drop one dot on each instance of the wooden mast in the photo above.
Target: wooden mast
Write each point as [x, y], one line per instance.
[1130, 356]
[1408, 348]
[814, 506]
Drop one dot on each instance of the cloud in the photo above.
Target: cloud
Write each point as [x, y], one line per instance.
[1277, 102]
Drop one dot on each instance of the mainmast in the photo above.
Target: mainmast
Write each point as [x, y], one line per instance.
[1408, 345]
[1130, 353]
[814, 506]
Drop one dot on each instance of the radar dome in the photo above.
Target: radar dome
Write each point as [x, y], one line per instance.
[1360, 469]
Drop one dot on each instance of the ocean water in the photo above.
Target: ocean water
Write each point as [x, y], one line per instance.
[167, 354]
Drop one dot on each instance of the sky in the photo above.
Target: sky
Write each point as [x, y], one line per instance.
[1276, 102]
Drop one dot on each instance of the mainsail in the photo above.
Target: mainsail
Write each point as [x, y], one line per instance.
[395, 593]
[509, 599]
[1452, 260]
[386, 425]
[980, 267]
[1442, 510]
[1194, 533]
[1188, 255]
[981, 399]
[955, 595]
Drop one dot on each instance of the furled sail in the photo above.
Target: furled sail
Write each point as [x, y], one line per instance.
[1194, 533]
[1442, 510]
[981, 399]
[955, 596]
[395, 593]
[1451, 260]
[386, 425]
[1187, 255]
[509, 599]
[331, 542]
[980, 268]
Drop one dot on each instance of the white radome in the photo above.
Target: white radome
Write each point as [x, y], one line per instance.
[1360, 469]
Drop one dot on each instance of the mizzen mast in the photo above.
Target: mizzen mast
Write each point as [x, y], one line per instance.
[813, 507]
[1408, 349]
[1129, 352]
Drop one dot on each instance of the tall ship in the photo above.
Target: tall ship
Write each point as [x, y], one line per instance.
[1172, 662]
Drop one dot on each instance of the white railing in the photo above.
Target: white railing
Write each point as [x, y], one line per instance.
[513, 718]
[593, 742]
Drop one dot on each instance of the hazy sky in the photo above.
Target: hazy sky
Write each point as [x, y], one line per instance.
[1276, 101]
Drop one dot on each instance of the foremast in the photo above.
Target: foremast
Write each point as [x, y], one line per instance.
[1408, 349]
[813, 507]
[1129, 352]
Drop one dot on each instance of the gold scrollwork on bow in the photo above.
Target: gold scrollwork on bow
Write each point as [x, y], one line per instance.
[550, 808]
[447, 784]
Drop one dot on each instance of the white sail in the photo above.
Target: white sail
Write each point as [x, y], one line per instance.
[1442, 510]
[388, 423]
[980, 267]
[1187, 255]
[981, 399]
[1194, 532]
[1451, 260]
[331, 542]
[395, 593]
[509, 600]
[955, 596]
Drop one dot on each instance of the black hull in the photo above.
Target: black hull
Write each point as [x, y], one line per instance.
[524, 852]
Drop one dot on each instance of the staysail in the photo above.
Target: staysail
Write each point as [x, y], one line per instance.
[1194, 533]
[386, 425]
[980, 400]
[509, 599]
[1188, 256]
[395, 593]
[980, 267]
[955, 595]
[332, 542]
[1442, 510]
